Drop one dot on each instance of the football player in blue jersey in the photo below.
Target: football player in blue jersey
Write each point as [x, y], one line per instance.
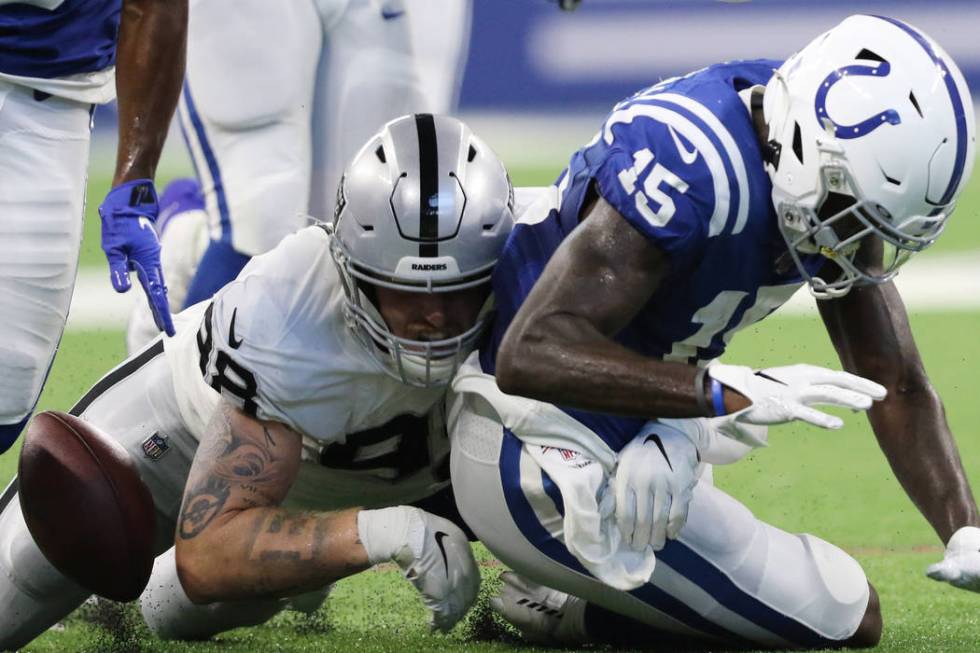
[58, 59]
[701, 205]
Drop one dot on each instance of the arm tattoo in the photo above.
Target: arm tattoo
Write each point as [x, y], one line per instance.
[231, 463]
[201, 506]
[268, 436]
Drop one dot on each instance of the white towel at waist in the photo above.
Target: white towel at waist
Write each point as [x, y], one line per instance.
[589, 525]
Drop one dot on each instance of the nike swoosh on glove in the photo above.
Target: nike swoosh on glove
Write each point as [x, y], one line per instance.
[653, 484]
[434, 556]
[130, 243]
[785, 394]
[960, 567]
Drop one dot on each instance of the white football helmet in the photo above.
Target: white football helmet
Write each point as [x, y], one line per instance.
[872, 138]
[425, 207]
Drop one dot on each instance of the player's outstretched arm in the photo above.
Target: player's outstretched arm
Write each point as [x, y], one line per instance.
[870, 330]
[233, 541]
[149, 75]
[559, 347]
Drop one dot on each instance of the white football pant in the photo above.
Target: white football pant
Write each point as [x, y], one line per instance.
[729, 577]
[44, 145]
[280, 95]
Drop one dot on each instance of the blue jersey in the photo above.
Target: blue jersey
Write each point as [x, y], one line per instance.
[681, 163]
[77, 36]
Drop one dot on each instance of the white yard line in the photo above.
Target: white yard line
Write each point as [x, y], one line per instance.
[933, 283]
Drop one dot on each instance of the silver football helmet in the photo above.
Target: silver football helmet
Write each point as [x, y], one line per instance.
[425, 206]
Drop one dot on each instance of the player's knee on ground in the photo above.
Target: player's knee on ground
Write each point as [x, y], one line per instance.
[842, 597]
[869, 632]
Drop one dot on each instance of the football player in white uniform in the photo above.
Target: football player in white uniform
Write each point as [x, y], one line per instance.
[702, 204]
[280, 95]
[314, 381]
[58, 59]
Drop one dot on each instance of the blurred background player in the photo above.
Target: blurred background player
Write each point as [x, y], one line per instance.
[58, 59]
[280, 94]
[701, 205]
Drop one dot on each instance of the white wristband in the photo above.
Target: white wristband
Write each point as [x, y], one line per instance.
[387, 532]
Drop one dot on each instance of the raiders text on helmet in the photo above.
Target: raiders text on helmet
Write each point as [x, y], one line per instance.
[426, 207]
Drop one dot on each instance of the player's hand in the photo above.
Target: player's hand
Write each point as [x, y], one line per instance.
[653, 484]
[785, 394]
[433, 554]
[960, 566]
[130, 242]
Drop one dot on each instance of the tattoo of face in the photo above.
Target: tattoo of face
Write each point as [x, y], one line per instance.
[201, 506]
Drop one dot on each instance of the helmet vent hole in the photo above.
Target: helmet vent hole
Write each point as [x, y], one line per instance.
[915, 103]
[471, 154]
[380, 153]
[869, 55]
[797, 142]
[367, 227]
[488, 227]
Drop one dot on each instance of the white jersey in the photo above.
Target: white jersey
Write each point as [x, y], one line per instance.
[274, 343]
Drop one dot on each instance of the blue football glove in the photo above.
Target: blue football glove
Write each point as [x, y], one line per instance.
[130, 243]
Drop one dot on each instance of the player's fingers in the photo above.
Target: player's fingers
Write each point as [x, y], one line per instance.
[151, 278]
[944, 570]
[660, 512]
[118, 270]
[626, 514]
[850, 381]
[643, 528]
[817, 418]
[677, 517]
[834, 396]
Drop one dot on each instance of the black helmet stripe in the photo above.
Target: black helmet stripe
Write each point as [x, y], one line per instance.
[428, 185]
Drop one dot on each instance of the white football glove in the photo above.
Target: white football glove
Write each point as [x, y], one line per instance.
[653, 483]
[433, 553]
[784, 394]
[960, 566]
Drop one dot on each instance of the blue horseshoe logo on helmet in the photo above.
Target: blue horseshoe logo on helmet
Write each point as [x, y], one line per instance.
[864, 127]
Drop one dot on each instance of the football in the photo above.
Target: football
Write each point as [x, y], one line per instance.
[86, 506]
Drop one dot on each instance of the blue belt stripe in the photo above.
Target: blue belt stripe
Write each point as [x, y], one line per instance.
[212, 162]
[958, 111]
[527, 522]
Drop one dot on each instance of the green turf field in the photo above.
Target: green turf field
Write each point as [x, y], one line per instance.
[835, 485]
